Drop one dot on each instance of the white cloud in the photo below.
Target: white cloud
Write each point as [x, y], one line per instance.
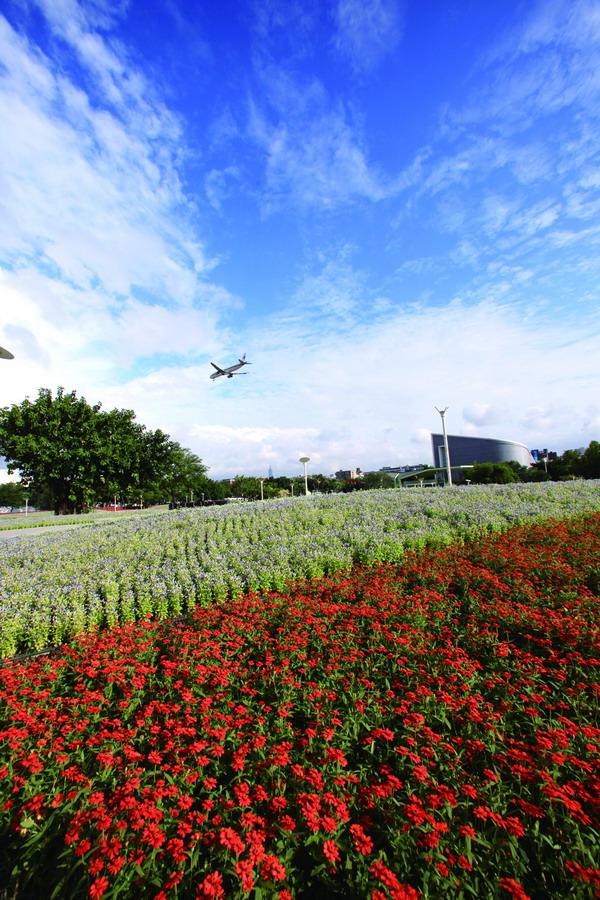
[483, 414]
[96, 205]
[314, 152]
[367, 30]
[106, 287]
[367, 396]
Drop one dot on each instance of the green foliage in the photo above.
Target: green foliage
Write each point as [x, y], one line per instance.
[590, 467]
[492, 473]
[522, 472]
[377, 481]
[574, 464]
[184, 478]
[77, 455]
[12, 495]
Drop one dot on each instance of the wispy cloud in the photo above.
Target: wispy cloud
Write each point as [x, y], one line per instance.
[466, 276]
[104, 266]
[367, 30]
[96, 204]
[314, 151]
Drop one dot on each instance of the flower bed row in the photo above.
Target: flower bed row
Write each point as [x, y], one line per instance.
[165, 565]
[426, 730]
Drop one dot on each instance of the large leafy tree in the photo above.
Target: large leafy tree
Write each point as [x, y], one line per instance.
[184, 477]
[491, 473]
[590, 463]
[78, 454]
[12, 495]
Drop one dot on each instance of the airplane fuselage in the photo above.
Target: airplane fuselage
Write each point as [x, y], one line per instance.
[229, 371]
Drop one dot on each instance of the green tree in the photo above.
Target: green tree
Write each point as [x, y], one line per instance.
[321, 483]
[77, 454]
[53, 441]
[564, 467]
[246, 487]
[12, 495]
[590, 462]
[491, 473]
[184, 477]
[377, 480]
[521, 471]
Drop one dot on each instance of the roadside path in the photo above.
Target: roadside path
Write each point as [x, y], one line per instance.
[37, 532]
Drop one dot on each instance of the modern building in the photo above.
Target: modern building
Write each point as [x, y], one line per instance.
[539, 455]
[349, 474]
[400, 470]
[466, 451]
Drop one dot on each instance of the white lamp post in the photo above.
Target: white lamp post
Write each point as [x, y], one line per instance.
[442, 413]
[261, 488]
[304, 460]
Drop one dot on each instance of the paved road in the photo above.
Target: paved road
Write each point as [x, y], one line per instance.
[37, 532]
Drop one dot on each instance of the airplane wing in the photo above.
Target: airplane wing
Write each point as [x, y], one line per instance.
[220, 371]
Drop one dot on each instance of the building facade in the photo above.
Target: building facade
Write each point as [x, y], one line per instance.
[350, 474]
[466, 451]
[400, 470]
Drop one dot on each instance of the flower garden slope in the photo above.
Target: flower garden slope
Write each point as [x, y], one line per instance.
[424, 730]
[164, 566]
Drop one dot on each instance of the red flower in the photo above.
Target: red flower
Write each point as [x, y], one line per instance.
[229, 838]
[173, 879]
[331, 851]
[271, 869]
[514, 889]
[245, 870]
[287, 823]
[98, 887]
[362, 842]
[587, 874]
[336, 755]
[211, 888]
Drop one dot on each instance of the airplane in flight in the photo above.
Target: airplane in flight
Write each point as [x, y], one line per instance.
[230, 371]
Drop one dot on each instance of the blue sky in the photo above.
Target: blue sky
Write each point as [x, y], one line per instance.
[389, 206]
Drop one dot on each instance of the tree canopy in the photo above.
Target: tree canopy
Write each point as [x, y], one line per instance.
[12, 495]
[78, 455]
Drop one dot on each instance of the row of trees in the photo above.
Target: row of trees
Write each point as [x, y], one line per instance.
[72, 456]
[571, 464]
[283, 486]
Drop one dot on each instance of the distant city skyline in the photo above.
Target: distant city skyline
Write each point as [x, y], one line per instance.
[389, 206]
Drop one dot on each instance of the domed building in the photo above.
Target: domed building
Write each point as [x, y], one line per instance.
[466, 451]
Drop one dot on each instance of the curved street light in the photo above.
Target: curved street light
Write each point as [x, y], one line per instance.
[5, 354]
[442, 413]
[304, 460]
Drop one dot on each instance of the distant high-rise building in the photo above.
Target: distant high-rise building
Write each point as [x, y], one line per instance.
[350, 474]
[270, 471]
[539, 455]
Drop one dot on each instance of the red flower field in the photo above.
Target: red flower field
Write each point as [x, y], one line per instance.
[424, 730]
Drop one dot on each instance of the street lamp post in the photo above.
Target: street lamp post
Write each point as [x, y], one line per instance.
[262, 497]
[442, 413]
[304, 460]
